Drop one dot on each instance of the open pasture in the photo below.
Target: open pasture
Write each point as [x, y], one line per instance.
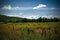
[30, 31]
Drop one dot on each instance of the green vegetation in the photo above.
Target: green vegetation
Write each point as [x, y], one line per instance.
[30, 31]
[15, 28]
[7, 19]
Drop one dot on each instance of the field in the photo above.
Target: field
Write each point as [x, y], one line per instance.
[30, 31]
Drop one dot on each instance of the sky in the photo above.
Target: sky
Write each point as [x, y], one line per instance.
[31, 9]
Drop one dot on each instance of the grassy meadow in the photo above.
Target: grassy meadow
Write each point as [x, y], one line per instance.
[30, 31]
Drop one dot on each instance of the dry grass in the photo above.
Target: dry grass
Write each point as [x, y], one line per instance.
[29, 31]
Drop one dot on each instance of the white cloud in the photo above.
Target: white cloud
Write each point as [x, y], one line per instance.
[14, 14]
[32, 17]
[49, 16]
[8, 7]
[23, 16]
[40, 6]
[21, 8]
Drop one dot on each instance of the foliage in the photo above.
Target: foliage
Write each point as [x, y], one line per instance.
[7, 19]
[30, 31]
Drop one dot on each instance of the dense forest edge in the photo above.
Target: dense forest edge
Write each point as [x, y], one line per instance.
[7, 19]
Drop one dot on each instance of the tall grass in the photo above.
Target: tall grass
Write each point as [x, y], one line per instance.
[30, 31]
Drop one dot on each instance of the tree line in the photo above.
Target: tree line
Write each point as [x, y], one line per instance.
[6, 19]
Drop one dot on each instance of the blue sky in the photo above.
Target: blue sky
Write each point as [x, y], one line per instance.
[30, 8]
